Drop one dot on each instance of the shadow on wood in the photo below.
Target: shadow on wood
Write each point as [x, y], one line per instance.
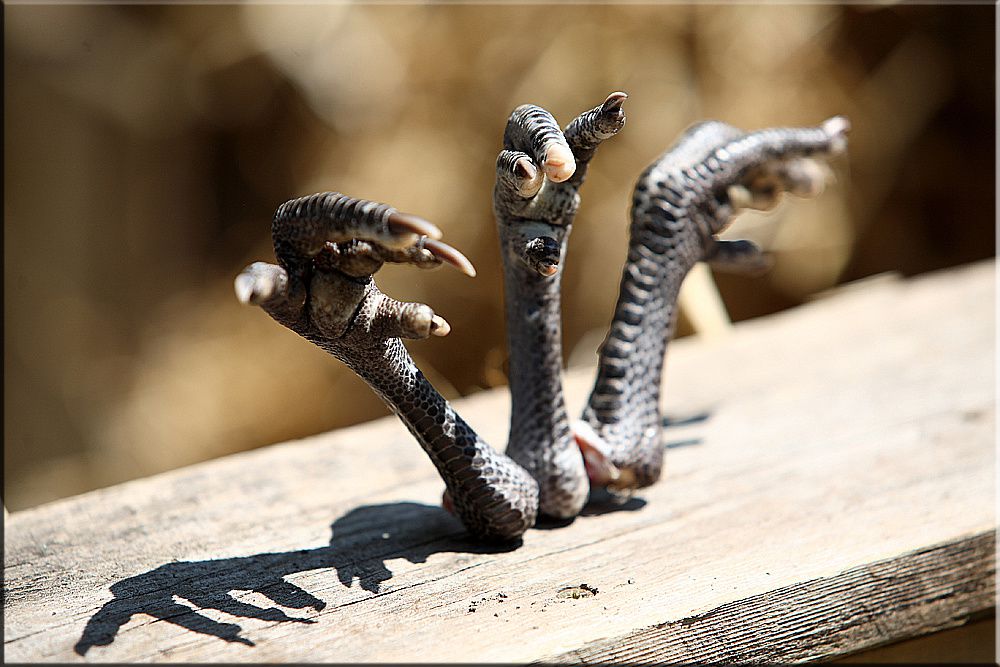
[841, 500]
[362, 541]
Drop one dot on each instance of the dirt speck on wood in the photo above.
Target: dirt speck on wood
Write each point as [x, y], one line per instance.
[576, 592]
[499, 597]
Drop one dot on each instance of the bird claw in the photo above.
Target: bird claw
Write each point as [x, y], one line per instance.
[588, 130]
[329, 245]
[412, 320]
[536, 150]
[260, 282]
[543, 254]
[612, 118]
[405, 230]
[449, 255]
[837, 128]
[762, 188]
[614, 102]
[559, 163]
[439, 326]
[528, 179]
[600, 469]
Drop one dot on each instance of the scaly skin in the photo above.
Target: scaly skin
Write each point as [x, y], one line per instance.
[328, 246]
[686, 197]
[539, 174]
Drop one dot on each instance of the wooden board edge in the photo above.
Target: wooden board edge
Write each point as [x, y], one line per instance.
[910, 595]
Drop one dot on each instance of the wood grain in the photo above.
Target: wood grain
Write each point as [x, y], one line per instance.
[829, 488]
[823, 616]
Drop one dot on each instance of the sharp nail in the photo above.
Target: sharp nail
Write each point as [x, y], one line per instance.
[451, 255]
[559, 163]
[614, 102]
[524, 169]
[244, 287]
[439, 326]
[836, 125]
[402, 223]
[530, 180]
[836, 128]
[600, 470]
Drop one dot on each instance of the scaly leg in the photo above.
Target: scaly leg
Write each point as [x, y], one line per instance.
[681, 202]
[539, 174]
[328, 246]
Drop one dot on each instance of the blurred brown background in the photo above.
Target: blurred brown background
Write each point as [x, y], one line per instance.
[147, 148]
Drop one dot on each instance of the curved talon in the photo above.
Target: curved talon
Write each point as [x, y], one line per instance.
[450, 255]
[439, 326]
[532, 130]
[244, 286]
[614, 102]
[559, 162]
[406, 223]
[529, 180]
[524, 169]
[259, 282]
[600, 469]
[837, 128]
[611, 119]
[836, 125]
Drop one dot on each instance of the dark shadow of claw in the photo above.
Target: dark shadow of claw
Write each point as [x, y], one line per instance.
[602, 501]
[677, 444]
[684, 420]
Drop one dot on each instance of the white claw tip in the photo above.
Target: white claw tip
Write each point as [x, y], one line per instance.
[836, 128]
[244, 287]
[559, 163]
[600, 469]
[439, 326]
[529, 178]
[836, 125]
[524, 169]
[450, 255]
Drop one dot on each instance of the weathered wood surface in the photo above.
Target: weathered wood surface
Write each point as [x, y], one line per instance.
[833, 492]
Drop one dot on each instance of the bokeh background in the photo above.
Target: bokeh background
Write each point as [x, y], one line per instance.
[147, 147]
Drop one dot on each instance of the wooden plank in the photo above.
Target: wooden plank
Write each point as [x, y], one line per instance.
[701, 303]
[823, 616]
[834, 493]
